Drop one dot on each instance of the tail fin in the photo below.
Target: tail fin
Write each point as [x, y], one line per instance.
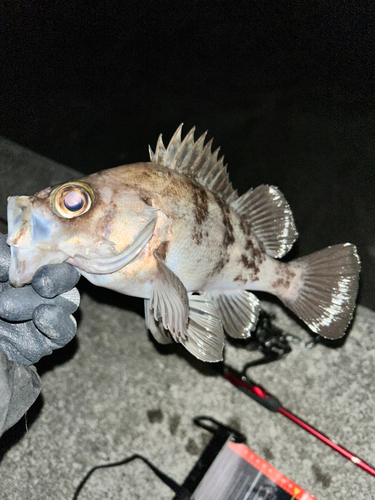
[325, 299]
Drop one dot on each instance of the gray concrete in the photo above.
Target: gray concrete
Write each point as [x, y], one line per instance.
[112, 392]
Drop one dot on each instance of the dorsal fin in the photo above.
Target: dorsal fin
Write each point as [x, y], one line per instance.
[270, 217]
[195, 160]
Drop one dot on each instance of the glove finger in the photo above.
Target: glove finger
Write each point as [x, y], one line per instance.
[55, 323]
[4, 258]
[18, 304]
[55, 279]
[69, 301]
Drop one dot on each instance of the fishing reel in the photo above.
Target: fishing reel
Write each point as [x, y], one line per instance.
[272, 342]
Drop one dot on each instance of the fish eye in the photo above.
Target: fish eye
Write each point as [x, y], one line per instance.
[72, 199]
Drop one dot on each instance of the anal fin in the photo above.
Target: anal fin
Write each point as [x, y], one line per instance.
[238, 310]
[205, 336]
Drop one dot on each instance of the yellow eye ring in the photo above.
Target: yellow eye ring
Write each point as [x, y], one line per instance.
[72, 199]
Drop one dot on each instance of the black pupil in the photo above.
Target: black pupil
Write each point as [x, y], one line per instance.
[74, 201]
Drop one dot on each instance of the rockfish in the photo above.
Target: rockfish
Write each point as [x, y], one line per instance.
[174, 232]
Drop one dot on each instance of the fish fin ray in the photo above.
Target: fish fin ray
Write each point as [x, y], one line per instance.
[156, 328]
[188, 152]
[108, 264]
[238, 310]
[195, 160]
[325, 298]
[160, 151]
[169, 300]
[205, 336]
[270, 217]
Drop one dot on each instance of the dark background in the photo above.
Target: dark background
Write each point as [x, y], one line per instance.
[286, 89]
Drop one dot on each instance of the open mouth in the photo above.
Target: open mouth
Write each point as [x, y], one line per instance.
[29, 237]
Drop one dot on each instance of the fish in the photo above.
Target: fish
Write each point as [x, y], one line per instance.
[175, 232]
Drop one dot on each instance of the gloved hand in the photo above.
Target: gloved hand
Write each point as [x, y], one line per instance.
[34, 320]
[38, 316]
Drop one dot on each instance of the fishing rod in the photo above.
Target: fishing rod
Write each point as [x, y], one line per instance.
[263, 397]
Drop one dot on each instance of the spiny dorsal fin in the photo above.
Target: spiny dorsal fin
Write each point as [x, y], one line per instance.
[195, 160]
[270, 217]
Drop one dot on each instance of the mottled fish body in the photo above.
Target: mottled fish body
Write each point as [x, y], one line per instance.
[174, 232]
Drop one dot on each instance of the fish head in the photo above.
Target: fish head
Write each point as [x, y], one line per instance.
[91, 224]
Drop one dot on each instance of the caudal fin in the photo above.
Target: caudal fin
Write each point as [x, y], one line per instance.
[325, 298]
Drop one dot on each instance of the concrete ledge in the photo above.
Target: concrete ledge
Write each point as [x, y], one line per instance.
[113, 392]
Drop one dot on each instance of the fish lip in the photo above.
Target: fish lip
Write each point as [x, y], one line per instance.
[16, 208]
[18, 275]
[28, 234]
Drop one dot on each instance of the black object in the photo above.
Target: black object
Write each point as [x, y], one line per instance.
[221, 434]
[181, 493]
[269, 340]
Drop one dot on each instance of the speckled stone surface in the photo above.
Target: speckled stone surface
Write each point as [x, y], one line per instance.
[112, 392]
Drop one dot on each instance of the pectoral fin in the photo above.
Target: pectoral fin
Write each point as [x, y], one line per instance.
[169, 300]
[238, 310]
[156, 328]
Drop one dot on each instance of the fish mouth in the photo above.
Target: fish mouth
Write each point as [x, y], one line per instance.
[29, 238]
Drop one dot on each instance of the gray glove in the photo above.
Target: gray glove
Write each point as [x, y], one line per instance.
[19, 387]
[36, 319]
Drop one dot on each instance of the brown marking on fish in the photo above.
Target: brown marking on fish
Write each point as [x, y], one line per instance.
[249, 244]
[162, 250]
[228, 238]
[200, 199]
[197, 236]
[240, 278]
[220, 264]
[256, 250]
[248, 264]
[200, 202]
[245, 228]
[285, 277]
[252, 260]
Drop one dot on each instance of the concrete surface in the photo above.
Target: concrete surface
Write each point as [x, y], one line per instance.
[112, 392]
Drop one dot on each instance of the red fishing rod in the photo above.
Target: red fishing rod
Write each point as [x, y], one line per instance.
[261, 396]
